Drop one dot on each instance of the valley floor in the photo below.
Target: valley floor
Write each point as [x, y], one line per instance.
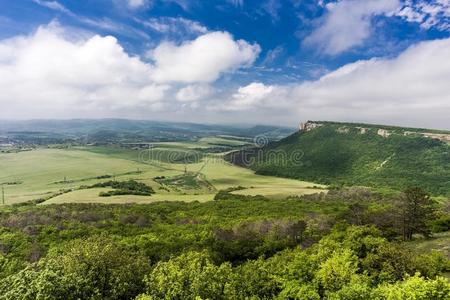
[59, 175]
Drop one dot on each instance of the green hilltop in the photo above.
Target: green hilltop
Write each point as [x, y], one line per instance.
[357, 154]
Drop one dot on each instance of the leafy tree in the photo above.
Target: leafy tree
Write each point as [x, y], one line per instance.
[44, 281]
[414, 288]
[110, 271]
[359, 239]
[9, 266]
[356, 213]
[298, 291]
[296, 231]
[95, 268]
[389, 263]
[416, 209]
[338, 270]
[188, 276]
[358, 289]
[252, 280]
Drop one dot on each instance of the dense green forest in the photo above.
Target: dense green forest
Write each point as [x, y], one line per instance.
[346, 244]
[337, 154]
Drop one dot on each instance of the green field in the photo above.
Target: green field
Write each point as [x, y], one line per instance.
[37, 172]
[439, 242]
[59, 174]
[205, 143]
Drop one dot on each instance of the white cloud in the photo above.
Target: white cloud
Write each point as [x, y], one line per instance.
[53, 5]
[434, 13]
[55, 73]
[171, 25]
[136, 3]
[48, 75]
[347, 24]
[194, 92]
[273, 55]
[251, 96]
[409, 14]
[103, 23]
[411, 89]
[272, 7]
[184, 4]
[203, 59]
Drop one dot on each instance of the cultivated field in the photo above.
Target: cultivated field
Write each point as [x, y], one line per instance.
[61, 175]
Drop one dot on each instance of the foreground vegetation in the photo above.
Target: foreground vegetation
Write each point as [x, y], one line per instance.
[347, 244]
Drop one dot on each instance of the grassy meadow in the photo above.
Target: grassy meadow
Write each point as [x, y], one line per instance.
[61, 175]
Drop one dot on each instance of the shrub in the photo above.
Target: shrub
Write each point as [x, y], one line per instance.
[188, 276]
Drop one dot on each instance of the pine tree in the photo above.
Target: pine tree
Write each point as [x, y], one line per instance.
[416, 209]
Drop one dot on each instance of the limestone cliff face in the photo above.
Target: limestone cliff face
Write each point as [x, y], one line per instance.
[308, 126]
[345, 128]
[438, 136]
[383, 132]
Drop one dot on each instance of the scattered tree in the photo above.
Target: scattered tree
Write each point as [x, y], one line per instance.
[416, 209]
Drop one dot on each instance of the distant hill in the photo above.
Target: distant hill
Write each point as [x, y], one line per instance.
[357, 154]
[123, 130]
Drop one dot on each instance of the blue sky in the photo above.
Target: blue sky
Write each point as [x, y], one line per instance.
[271, 61]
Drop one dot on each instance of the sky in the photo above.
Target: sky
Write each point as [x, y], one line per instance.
[276, 62]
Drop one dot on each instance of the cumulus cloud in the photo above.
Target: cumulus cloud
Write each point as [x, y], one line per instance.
[251, 96]
[194, 92]
[46, 74]
[54, 73]
[203, 59]
[347, 24]
[410, 89]
[417, 77]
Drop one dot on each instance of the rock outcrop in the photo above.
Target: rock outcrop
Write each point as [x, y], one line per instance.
[310, 125]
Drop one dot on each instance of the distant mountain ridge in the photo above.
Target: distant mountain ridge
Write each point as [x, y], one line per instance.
[124, 130]
[357, 154]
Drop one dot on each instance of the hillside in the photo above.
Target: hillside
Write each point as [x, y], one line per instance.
[357, 154]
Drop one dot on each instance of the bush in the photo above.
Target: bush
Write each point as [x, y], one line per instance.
[96, 268]
[130, 187]
[414, 288]
[338, 270]
[188, 276]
